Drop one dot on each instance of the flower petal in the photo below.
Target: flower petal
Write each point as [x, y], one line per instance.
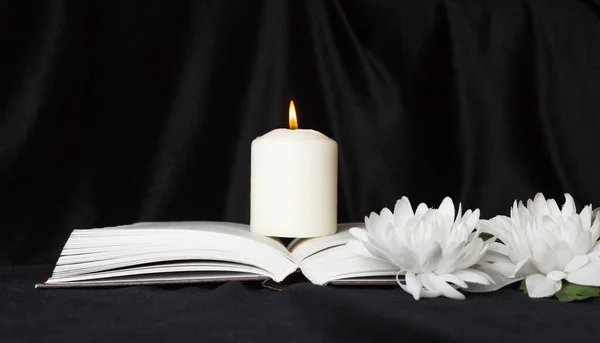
[383, 228]
[523, 268]
[589, 275]
[430, 256]
[458, 214]
[359, 248]
[403, 208]
[530, 207]
[499, 248]
[385, 218]
[562, 255]
[402, 255]
[447, 207]
[595, 213]
[540, 207]
[596, 248]
[455, 280]
[421, 209]
[586, 217]
[473, 219]
[499, 280]
[435, 283]
[595, 230]
[543, 258]
[424, 293]
[471, 254]
[553, 208]
[556, 275]
[576, 263]
[471, 275]
[402, 212]
[358, 233]
[373, 248]
[503, 266]
[400, 226]
[492, 256]
[568, 207]
[371, 220]
[448, 263]
[488, 226]
[539, 286]
[581, 243]
[378, 252]
[413, 285]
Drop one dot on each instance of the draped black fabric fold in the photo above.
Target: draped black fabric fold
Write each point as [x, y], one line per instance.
[122, 112]
[113, 112]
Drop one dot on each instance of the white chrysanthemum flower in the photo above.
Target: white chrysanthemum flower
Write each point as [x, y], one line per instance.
[431, 247]
[545, 245]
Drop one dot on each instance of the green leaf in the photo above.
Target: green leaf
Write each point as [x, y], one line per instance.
[523, 286]
[573, 292]
[485, 236]
[580, 289]
[562, 297]
[570, 292]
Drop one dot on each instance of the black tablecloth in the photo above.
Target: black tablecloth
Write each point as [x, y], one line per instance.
[239, 312]
[113, 112]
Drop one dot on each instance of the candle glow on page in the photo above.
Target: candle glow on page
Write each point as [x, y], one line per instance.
[293, 182]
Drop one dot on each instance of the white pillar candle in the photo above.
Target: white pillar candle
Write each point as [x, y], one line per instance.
[293, 187]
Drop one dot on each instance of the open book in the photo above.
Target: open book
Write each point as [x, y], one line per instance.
[195, 252]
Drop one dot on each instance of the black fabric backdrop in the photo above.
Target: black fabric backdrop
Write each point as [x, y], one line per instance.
[123, 111]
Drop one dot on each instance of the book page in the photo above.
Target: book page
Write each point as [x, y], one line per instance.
[303, 248]
[106, 235]
[198, 268]
[177, 278]
[341, 263]
[103, 251]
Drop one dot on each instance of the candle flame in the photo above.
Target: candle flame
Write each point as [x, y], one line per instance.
[293, 118]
